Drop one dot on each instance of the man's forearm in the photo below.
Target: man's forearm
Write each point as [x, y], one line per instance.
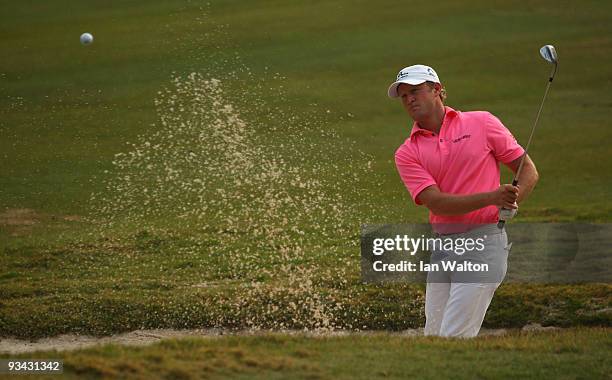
[452, 204]
[527, 180]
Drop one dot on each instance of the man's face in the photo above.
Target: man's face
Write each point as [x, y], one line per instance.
[419, 100]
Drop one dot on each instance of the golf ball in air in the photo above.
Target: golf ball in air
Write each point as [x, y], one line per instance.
[86, 38]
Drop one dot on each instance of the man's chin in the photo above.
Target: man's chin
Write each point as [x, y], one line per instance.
[416, 116]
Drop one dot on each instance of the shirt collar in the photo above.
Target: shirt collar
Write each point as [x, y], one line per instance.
[416, 130]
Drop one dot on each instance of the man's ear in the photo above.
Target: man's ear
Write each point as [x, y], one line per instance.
[437, 88]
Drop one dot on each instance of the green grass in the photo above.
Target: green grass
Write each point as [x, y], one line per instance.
[66, 110]
[146, 281]
[568, 354]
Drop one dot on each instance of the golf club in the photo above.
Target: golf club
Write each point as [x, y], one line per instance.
[549, 53]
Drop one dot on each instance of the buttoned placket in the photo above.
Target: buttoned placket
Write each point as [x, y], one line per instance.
[442, 140]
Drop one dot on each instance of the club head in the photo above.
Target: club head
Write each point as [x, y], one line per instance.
[549, 53]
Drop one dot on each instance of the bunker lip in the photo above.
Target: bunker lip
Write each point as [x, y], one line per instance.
[68, 342]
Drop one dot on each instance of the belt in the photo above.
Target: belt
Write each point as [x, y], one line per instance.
[487, 229]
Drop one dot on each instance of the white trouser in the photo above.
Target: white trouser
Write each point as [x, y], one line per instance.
[456, 308]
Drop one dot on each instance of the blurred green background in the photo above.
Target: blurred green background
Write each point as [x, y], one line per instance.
[66, 109]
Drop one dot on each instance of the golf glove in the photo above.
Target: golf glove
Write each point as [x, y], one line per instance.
[507, 214]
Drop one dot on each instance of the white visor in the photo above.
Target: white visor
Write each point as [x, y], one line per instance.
[413, 75]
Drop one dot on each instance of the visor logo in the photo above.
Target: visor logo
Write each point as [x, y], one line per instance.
[429, 72]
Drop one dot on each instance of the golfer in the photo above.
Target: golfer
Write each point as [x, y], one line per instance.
[450, 164]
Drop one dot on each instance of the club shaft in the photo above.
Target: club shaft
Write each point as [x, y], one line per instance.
[520, 169]
[501, 223]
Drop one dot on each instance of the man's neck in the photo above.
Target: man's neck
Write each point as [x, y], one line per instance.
[433, 123]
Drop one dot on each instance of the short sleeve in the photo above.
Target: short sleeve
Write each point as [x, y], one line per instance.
[501, 142]
[412, 173]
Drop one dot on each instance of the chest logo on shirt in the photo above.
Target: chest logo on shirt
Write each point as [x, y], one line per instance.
[461, 138]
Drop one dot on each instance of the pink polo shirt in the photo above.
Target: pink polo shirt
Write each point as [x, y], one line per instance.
[463, 159]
